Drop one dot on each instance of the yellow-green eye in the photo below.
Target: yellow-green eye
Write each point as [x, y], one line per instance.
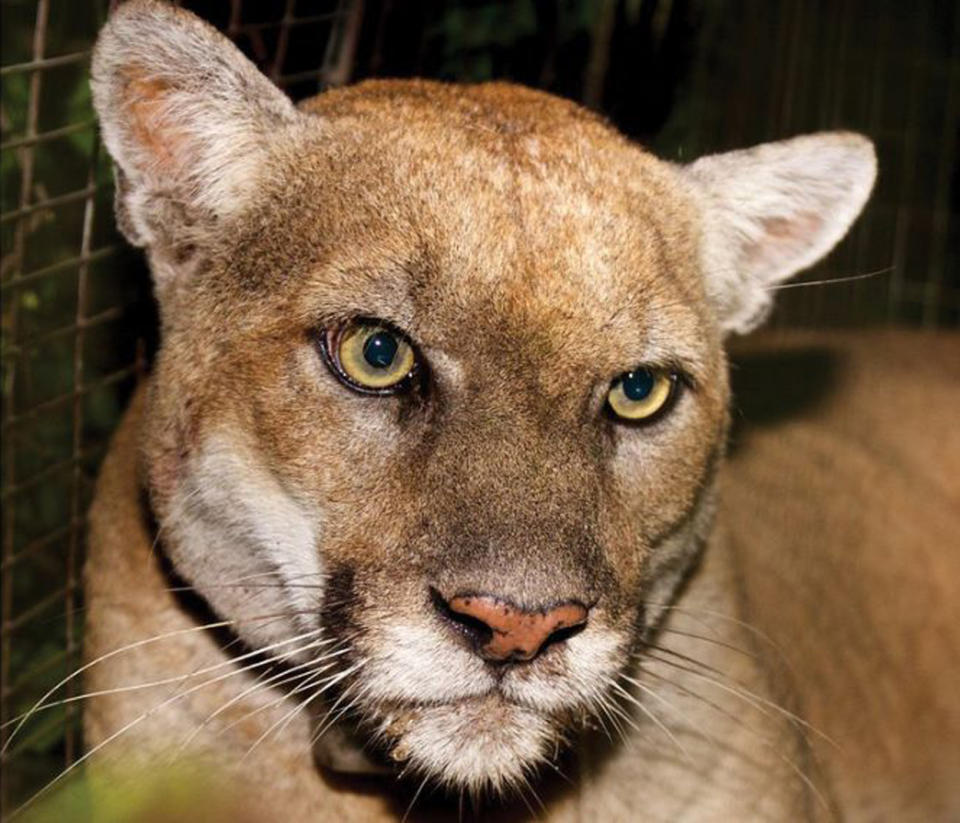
[640, 394]
[370, 356]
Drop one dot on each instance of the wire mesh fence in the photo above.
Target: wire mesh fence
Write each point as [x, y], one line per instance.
[688, 77]
[891, 71]
[76, 324]
[685, 76]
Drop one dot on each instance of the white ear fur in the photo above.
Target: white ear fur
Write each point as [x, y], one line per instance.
[773, 210]
[186, 117]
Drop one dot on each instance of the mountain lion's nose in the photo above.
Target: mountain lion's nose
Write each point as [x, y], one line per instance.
[503, 632]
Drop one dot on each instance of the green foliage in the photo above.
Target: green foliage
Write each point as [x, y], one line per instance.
[37, 352]
[184, 791]
[475, 37]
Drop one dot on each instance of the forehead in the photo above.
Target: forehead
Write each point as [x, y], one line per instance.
[510, 217]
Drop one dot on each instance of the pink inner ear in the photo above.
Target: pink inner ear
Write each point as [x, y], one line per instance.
[148, 103]
[782, 242]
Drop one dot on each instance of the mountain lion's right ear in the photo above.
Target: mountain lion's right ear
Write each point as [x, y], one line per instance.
[188, 121]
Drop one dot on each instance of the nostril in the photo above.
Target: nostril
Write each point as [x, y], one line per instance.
[502, 631]
[563, 634]
[478, 632]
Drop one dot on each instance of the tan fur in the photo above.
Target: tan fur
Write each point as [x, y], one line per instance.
[532, 255]
[862, 607]
[850, 513]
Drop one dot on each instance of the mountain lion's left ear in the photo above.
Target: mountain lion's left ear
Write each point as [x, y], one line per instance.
[773, 210]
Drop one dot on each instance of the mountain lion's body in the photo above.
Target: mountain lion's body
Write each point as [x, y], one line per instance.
[844, 514]
[428, 480]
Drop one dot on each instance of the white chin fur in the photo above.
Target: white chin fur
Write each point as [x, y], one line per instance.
[474, 734]
[482, 744]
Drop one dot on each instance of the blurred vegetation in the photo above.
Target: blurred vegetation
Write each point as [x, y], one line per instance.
[684, 76]
[188, 792]
[38, 366]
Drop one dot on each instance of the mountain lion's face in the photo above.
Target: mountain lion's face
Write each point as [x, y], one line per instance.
[441, 376]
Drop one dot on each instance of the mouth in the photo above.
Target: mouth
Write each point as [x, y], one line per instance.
[482, 743]
[486, 743]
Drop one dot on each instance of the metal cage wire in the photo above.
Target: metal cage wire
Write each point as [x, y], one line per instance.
[51, 444]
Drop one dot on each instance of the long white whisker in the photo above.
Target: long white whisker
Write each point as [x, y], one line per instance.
[615, 714]
[759, 702]
[523, 782]
[794, 767]
[281, 678]
[712, 613]
[416, 794]
[150, 712]
[601, 716]
[168, 680]
[660, 724]
[311, 680]
[282, 722]
[693, 636]
[647, 690]
[831, 280]
[121, 650]
[326, 723]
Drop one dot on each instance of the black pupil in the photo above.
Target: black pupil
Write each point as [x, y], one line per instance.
[638, 384]
[380, 349]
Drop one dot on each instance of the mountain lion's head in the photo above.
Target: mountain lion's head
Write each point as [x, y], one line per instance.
[441, 374]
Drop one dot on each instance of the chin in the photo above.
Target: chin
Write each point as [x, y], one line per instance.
[482, 745]
[449, 719]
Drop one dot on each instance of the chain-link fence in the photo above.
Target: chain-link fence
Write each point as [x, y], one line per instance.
[685, 76]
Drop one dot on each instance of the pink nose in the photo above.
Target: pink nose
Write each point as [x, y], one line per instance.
[502, 631]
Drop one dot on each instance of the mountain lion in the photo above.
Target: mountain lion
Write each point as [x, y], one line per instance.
[425, 509]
